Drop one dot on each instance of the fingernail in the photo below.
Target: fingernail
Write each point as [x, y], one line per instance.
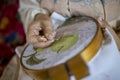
[50, 37]
[42, 39]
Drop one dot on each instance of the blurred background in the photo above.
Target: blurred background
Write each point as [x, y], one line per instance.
[11, 31]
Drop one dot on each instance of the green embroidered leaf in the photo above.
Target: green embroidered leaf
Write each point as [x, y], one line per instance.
[64, 43]
[32, 60]
[56, 39]
[40, 50]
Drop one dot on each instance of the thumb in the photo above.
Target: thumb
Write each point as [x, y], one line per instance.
[48, 30]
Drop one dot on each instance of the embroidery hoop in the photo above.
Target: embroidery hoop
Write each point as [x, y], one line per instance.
[75, 65]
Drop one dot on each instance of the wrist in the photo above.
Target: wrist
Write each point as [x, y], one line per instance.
[41, 16]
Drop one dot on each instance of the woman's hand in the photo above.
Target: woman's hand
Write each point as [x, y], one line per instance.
[40, 32]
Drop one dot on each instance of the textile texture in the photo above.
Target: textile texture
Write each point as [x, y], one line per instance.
[11, 31]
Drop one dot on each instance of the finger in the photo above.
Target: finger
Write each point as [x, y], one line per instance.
[36, 38]
[33, 33]
[42, 39]
[35, 26]
[101, 22]
[42, 44]
[51, 36]
[32, 39]
[48, 30]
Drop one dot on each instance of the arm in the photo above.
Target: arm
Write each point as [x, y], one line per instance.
[37, 24]
[28, 9]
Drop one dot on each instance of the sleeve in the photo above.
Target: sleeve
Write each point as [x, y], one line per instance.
[28, 9]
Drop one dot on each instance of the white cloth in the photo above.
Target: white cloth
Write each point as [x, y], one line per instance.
[105, 65]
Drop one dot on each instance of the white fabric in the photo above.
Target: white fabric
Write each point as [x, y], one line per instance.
[105, 65]
[57, 19]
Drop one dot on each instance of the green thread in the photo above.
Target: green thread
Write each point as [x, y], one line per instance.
[32, 60]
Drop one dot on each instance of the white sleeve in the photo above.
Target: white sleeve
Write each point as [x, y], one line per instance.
[28, 9]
